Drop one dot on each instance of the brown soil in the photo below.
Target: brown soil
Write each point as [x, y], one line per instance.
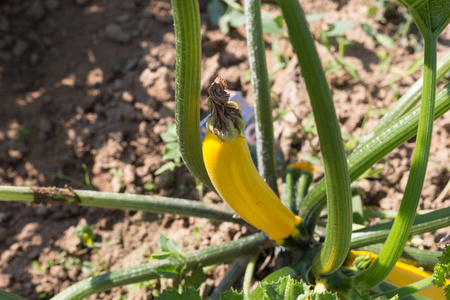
[91, 82]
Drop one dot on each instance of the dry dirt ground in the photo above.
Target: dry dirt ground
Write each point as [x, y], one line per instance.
[91, 82]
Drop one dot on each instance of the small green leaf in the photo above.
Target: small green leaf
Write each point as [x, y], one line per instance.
[169, 166]
[36, 265]
[160, 255]
[223, 23]
[270, 25]
[350, 68]
[196, 278]
[171, 134]
[385, 40]
[172, 294]
[168, 245]
[171, 152]
[315, 17]
[232, 295]
[237, 18]
[149, 186]
[88, 268]
[332, 68]
[339, 28]
[369, 30]
[281, 114]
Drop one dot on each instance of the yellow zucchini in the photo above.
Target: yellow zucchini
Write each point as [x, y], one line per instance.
[236, 179]
[232, 172]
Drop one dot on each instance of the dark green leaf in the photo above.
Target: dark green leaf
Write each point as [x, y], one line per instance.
[216, 10]
[196, 278]
[434, 13]
[232, 295]
[168, 271]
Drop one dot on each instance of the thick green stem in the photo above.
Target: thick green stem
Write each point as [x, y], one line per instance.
[375, 149]
[186, 17]
[396, 240]
[265, 144]
[155, 204]
[289, 187]
[306, 177]
[337, 179]
[409, 289]
[212, 255]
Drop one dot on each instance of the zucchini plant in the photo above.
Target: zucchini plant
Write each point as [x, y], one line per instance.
[326, 268]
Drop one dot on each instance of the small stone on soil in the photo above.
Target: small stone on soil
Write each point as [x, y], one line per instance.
[115, 33]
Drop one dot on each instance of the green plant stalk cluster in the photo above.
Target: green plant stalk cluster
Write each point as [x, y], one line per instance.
[412, 256]
[423, 223]
[337, 179]
[186, 17]
[265, 144]
[400, 231]
[212, 255]
[155, 204]
[374, 150]
[361, 238]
